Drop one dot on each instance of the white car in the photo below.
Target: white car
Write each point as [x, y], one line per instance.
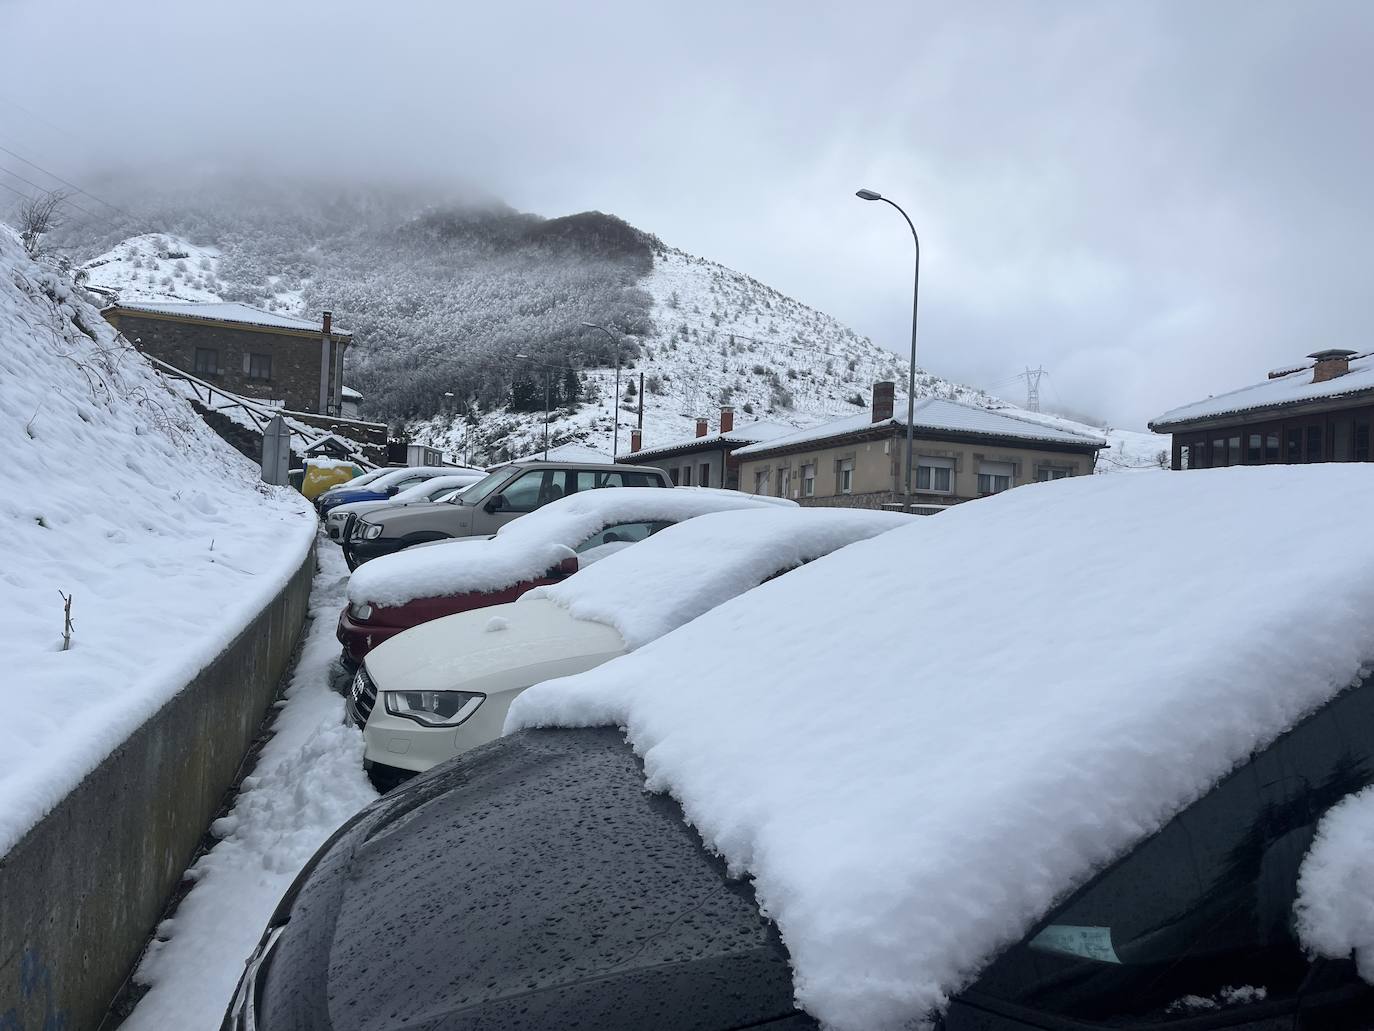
[443, 687]
[440, 488]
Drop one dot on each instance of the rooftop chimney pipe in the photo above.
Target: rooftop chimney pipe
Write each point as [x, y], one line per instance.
[727, 418]
[883, 394]
[1330, 364]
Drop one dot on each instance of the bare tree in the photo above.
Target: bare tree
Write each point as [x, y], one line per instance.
[38, 216]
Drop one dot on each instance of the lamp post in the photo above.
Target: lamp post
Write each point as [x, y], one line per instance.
[911, 371]
[615, 434]
[449, 405]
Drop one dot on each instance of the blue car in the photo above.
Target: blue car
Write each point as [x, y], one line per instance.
[381, 488]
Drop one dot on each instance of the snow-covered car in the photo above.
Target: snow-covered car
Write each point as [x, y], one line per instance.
[400, 591]
[443, 687]
[389, 484]
[1057, 759]
[437, 489]
[504, 495]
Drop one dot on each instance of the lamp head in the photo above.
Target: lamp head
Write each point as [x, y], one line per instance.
[868, 195]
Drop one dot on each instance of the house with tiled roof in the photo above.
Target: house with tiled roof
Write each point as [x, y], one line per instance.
[706, 459]
[960, 452]
[244, 350]
[1318, 410]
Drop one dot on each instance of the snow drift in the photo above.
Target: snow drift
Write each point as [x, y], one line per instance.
[120, 497]
[955, 724]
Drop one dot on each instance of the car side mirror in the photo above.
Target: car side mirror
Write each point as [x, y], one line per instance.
[567, 567]
[495, 504]
[391, 492]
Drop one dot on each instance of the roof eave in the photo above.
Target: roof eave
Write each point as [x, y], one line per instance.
[877, 431]
[1262, 413]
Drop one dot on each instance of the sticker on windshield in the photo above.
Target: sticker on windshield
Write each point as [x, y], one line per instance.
[1088, 942]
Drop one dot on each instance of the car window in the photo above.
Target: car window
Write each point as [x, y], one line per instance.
[589, 479]
[479, 490]
[1206, 903]
[626, 533]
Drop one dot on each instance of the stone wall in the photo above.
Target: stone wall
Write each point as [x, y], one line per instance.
[82, 891]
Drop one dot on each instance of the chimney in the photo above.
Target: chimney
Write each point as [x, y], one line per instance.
[701, 427]
[636, 439]
[1330, 364]
[727, 418]
[883, 394]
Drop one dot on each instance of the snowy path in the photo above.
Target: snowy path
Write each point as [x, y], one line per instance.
[308, 780]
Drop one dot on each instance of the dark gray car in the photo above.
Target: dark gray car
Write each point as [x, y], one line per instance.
[508, 492]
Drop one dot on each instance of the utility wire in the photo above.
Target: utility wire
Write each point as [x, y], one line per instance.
[67, 183]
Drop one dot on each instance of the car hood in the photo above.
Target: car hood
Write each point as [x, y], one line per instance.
[356, 508]
[530, 883]
[397, 520]
[494, 649]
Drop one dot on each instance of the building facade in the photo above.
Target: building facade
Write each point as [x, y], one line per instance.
[707, 459]
[961, 452]
[1320, 410]
[243, 350]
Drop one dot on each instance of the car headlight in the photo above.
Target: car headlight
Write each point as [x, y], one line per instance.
[360, 610]
[371, 531]
[433, 708]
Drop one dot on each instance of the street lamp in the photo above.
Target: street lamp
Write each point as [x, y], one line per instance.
[615, 434]
[449, 404]
[911, 371]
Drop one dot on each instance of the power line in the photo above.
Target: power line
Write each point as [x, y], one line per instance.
[65, 200]
[65, 182]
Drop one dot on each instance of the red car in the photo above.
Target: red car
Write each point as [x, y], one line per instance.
[399, 591]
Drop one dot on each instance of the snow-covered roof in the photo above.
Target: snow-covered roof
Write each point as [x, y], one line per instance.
[531, 545]
[933, 414]
[749, 433]
[664, 582]
[1286, 389]
[227, 311]
[906, 825]
[569, 452]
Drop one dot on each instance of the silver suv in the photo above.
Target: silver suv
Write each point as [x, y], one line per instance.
[506, 493]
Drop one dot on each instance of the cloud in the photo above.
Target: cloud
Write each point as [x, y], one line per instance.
[1156, 202]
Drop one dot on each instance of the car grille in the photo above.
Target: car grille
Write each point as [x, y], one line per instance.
[362, 696]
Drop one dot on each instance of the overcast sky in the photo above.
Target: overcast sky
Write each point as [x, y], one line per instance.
[1156, 201]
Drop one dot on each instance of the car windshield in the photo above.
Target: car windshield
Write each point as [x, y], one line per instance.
[479, 490]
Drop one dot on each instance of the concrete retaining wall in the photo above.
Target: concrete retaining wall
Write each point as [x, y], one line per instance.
[80, 893]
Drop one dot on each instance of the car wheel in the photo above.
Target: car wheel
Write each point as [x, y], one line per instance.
[387, 778]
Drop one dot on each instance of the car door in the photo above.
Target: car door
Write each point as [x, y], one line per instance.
[1194, 928]
[532, 489]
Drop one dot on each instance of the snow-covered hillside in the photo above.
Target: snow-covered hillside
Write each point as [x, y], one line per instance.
[155, 267]
[718, 337]
[119, 497]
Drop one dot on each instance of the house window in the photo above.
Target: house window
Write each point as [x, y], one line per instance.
[784, 481]
[1233, 450]
[686, 475]
[704, 479]
[994, 477]
[1294, 446]
[673, 475]
[809, 480]
[259, 366]
[1362, 441]
[207, 362]
[1185, 457]
[1045, 473]
[934, 474]
[847, 476]
[1218, 452]
[1254, 449]
[1271, 446]
[1314, 443]
[761, 481]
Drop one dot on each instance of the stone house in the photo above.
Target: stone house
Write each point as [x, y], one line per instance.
[1320, 410]
[244, 350]
[961, 452]
[707, 459]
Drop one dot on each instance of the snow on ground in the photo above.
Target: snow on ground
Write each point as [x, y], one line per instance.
[308, 780]
[529, 547]
[156, 267]
[688, 569]
[1335, 904]
[904, 826]
[120, 497]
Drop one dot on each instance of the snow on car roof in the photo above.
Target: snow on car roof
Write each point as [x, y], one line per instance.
[531, 545]
[422, 491]
[688, 569]
[917, 745]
